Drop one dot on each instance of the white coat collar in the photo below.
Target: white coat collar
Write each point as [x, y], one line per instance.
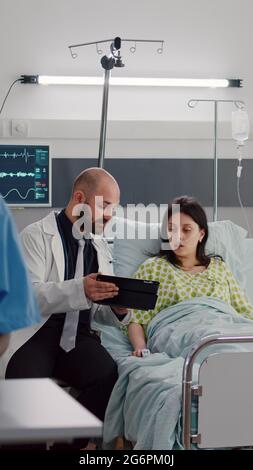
[49, 223]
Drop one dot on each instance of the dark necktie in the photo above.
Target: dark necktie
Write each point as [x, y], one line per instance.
[90, 264]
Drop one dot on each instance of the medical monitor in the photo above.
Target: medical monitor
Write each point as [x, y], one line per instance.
[25, 175]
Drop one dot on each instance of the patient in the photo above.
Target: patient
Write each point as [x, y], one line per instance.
[185, 271]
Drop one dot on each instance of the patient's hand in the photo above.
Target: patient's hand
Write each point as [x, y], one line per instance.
[137, 352]
[137, 338]
[141, 352]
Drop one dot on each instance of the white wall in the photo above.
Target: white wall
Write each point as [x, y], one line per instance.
[130, 139]
[202, 39]
[133, 138]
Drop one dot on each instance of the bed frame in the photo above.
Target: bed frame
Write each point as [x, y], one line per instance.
[224, 393]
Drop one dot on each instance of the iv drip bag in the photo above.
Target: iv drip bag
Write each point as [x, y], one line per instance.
[240, 125]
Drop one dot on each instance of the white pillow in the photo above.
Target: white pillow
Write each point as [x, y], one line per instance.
[247, 268]
[134, 242]
[228, 240]
[225, 239]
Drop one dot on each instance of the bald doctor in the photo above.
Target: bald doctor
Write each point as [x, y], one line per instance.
[65, 346]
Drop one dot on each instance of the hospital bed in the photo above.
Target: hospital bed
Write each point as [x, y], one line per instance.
[217, 391]
[223, 393]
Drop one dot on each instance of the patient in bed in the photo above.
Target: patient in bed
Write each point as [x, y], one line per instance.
[185, 271]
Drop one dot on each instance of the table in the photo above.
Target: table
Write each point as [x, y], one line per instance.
[38, 410]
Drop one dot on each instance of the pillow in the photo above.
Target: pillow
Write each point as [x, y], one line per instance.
[247, 268]
[228, 240]
[134, 242]
[225, 239]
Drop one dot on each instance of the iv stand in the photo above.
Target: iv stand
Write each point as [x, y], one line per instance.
[108, 63]
[103, 125]
[239, 105]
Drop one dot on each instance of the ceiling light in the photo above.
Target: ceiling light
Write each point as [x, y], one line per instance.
[132, 81]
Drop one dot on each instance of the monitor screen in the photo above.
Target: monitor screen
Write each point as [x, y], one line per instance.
[25, 175]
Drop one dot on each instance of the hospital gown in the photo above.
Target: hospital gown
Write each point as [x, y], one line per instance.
[177, 285]
[18, 308]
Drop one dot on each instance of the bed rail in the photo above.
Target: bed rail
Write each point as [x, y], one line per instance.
[188, 389]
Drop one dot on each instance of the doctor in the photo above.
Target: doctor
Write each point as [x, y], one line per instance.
[65, 346]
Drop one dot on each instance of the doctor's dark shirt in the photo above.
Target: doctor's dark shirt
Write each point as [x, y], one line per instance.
[90, 265]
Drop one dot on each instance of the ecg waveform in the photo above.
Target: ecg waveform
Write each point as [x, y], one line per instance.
[20, 195]
[19, 174]
[26, 155]
[24, 174]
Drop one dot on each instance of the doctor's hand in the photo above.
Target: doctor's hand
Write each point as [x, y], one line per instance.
[98, 290]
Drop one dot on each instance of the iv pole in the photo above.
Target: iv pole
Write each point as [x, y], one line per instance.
[113, 60]
[103, 125]
[108, 63]
[192, 104]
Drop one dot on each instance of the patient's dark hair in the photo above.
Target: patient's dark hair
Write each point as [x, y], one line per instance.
[191, 207]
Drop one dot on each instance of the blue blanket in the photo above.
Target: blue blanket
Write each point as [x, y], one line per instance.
[176, 329]
[145, 404]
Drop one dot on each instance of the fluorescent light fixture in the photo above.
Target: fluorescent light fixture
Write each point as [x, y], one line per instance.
[57, 80]
[132, 81]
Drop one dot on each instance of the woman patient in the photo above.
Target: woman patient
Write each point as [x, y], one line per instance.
[185, 271]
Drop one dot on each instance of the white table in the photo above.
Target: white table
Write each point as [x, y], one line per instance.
[33, 410]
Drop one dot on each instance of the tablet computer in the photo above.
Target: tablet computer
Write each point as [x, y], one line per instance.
[133, 293]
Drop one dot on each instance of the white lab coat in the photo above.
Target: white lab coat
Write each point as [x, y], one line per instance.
[45, 261]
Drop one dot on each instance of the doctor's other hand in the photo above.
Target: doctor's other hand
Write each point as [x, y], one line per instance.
[120, 310]
[98, 290]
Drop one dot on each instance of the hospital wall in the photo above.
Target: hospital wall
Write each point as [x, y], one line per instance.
[143, 122]
[187, 147]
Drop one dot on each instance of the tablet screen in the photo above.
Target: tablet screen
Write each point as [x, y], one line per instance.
[138, 294]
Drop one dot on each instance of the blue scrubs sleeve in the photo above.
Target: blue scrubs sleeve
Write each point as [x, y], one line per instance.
[18, 307]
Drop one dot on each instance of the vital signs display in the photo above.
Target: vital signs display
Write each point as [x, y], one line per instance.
[25, 175]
